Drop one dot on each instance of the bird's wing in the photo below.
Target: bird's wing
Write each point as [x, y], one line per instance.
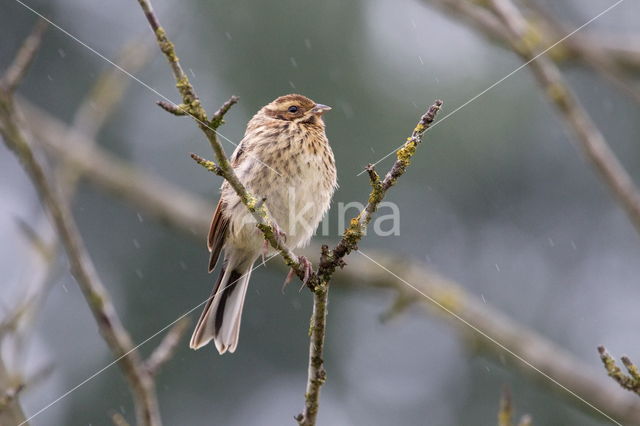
[217, 233]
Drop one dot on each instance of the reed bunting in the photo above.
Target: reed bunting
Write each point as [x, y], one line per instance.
[285, 159]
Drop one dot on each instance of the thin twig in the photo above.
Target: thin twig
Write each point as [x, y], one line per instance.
[147, 193]
[543, 29]
[18, 68]
[548, 75]
[505, 411]
[10, 410]
[631, 381]
[167, 347]
[82, 268]
[333, 259]
[192, 106]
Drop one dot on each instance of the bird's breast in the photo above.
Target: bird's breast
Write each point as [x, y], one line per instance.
[297, 177]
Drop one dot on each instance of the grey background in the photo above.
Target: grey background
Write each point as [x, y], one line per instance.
[499, 199]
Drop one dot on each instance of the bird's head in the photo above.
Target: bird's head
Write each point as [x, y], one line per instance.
[297, 109]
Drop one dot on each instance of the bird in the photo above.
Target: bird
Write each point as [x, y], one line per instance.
[284, 159]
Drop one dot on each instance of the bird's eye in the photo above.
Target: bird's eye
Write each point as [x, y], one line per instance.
[293, 109]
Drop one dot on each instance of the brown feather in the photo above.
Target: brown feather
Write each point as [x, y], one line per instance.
[217, 233]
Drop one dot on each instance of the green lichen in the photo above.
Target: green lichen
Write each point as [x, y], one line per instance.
[557, 93]
[407, 151]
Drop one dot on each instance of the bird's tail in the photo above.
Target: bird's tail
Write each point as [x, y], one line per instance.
[221, 317]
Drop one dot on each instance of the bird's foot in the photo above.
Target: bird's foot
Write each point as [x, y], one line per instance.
[279, 234]
[308, 269]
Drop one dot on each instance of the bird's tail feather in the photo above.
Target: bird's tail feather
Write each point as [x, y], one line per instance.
[220, 319]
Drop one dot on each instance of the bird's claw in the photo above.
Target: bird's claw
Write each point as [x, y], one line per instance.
[287, 280]
[308, 269]
[279, 235]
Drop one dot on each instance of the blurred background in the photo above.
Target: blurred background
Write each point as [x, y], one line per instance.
[499, 199]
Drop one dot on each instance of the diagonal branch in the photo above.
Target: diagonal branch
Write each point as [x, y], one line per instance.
[82, 268]
[167, 347]
[192, 106]
[18, 68]
[514, 33]
[333, 259]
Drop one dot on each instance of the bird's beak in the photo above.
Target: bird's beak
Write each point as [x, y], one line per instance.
[320, 109]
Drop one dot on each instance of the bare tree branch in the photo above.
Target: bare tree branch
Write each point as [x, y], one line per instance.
[192, 106]
[82, 268]
[167, 347]
[331, 260]
[631, 381]
[505, 410]
[594, 145]
[10, 410]
[542, 29]
[18, 68]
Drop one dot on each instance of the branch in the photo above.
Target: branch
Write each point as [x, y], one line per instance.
[576, 118]
[592, 142]
[140, 190]
[191, 106]
[331, 260]
[82, 267]
[590, 50]
[631, 381]
[505, 410]
[165, 350]
[10, 410]
[18, 68]
[611, 60]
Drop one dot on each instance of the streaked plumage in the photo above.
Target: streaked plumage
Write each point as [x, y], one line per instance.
[285, 157]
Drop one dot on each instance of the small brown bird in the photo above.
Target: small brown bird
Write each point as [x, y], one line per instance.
[284, 158]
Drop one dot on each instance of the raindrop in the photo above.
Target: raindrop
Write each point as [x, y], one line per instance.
[483, 299]
[551, 242]
[193, 74]
[497, 268]
[49, 77]
[413, 24]
[293, 62]
[64, 287]
[139, 217]
[573, 245]
[420, 59]
[136, 243]
[139, 273]
[183, 265]
[228, 34]
[307, 43]
[62, 53]
[293, 86]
